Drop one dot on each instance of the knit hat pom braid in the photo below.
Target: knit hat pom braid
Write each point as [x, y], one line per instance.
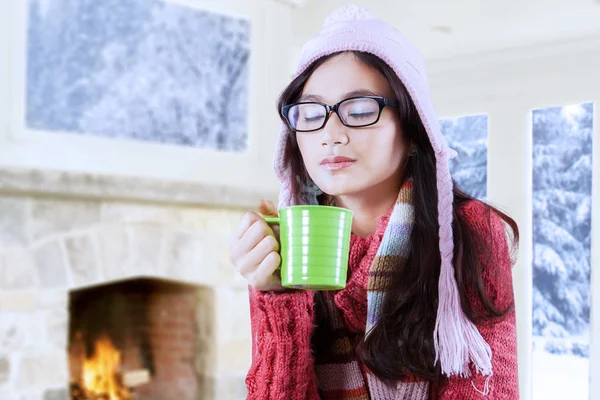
[345, 14]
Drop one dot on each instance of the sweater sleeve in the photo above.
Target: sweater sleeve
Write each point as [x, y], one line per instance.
[500, 335]
[282, 363]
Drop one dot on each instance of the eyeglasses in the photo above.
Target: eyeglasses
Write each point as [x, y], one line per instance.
[355, 112]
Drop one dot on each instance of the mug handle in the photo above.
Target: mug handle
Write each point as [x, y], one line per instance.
[272, 220]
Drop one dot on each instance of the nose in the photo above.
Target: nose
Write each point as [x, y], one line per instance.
[334, 132]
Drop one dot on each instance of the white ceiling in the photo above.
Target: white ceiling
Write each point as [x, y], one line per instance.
[448, 28]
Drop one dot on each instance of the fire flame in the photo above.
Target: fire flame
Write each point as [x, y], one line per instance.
[100, 372]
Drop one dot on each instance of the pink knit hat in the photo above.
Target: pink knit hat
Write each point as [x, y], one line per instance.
[351, 28]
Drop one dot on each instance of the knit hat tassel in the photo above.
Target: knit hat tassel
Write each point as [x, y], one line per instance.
[457, 340]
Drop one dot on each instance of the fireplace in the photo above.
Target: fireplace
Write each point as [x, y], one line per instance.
[150, 285]
[133, 340]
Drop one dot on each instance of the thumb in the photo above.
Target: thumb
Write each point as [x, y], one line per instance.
[267, 208]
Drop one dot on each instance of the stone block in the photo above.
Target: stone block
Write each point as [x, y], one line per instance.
[51, 266]
[50, 216]
[217, 222]
[56, 394]
[22, 301]
[205, 313]
[114, 244]
[5, 369]
[234, 356]
[18, 270]
[206, 387]
[52, 299]
[32, 394]
[189, 257]
[117, 212]
[21, 332]
[11, 393]
[227, 274]
[147, 241]
[206, 353]
[42, 371]
[57, 328]
[227, 387]
[83, 261]
[13, 221]
[232, 314]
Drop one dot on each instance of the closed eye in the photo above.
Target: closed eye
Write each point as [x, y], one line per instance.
[362, 115]
[315, 118]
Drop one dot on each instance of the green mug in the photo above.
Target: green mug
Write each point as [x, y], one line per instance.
[315, 243]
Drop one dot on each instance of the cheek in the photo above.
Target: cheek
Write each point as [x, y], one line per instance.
[308, 145]
[399, 145]
[385, 149]
[396, 145]
[302, 147]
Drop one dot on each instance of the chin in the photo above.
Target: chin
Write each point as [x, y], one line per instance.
[343, 185]
[339, 190]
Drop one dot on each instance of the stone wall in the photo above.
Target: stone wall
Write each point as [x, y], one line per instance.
[49, 245]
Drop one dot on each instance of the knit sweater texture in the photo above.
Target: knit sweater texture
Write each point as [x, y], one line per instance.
[283, 363]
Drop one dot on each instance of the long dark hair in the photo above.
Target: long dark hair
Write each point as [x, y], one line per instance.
[402, 341]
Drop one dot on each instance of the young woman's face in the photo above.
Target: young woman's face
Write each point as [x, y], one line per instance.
[374, 153]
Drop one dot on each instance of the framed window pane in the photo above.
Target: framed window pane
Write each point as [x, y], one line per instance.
[150, 73]
[468, 136]
[562, 203]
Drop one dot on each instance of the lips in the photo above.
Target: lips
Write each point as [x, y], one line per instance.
[337, 163]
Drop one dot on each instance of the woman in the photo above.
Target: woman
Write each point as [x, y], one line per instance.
[427, 312]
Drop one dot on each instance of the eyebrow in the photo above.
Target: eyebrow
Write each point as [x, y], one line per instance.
[354, 93]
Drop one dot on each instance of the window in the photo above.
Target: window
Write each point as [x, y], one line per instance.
[468, 136]
[562, 202]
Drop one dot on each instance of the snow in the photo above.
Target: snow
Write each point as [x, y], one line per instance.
[138, 70]
[559, 377]
[468, 136]
[562, 179]
[548, 259]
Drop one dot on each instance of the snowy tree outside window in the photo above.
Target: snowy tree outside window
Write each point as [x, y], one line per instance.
[562, 206]
[468, 136]
[138, 69]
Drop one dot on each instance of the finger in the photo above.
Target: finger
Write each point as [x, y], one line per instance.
[247, 221]
[267, 276]
[257, 255]
[251, 238]
[269, 264]
[267, 208]
[258, 231]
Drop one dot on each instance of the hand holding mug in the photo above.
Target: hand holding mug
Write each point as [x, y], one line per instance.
[254, 249]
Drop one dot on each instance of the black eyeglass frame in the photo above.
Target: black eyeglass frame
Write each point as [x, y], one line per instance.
[381, 101]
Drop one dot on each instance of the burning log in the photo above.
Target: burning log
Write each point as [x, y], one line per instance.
[136, 378]
[78, 393]
[100, 378]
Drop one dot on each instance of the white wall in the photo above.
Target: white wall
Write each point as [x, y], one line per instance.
[4, 71]
[443, 29]
[21, 147]
[507, 86]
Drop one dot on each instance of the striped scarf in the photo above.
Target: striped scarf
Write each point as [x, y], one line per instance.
[339, 373]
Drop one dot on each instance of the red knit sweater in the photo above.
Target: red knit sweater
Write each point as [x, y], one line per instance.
[282, 362]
